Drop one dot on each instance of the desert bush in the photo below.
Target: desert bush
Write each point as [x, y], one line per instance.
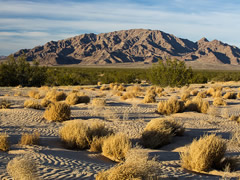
[96, 144]
[4, 143]
[202, 94]
[22, 168]
[32, 104]
[171, 106]
[159, 132]
[45, 102]
[197, 104]
[54, 95]
[57, 112]
[74, 98]
[34, 94]
[170, 73]
[185, 96]
[238, 95]
[137, 166]
[219, 102]
[104, 87]
[230, 95]
[203, 154]
[194, 92]
[115, 147]
[235, 118]
[128, 95]
[149, 98]
[78, 135]
[217, 93]
[30, 139]
[235, 138]
[4, 104]
[98, 102]
[212, 91]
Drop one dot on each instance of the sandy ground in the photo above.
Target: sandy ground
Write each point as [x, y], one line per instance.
[129, 116]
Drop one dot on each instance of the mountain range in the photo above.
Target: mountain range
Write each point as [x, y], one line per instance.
[130, 46]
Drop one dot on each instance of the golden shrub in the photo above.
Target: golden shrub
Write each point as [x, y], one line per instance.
[96, 144]
[203, 154]
[54, 95]
[194, 92]
[217, 93]
[4, 104]
[149, 98]
[78, 135]
[74, 98]
[104, 87]
[115, 147]
[128, 95]
[202, 94]
[185, 96]
[137, 166]
[30, 103]
[197, 104]
[30, 139]
[57, 112]
[159, 132]
[219, 102]
[22, 168]
[34, 94]
[4, 143]
[121, 88]
[230, 95]
[45, 102]
[98, 102]
[171, 106]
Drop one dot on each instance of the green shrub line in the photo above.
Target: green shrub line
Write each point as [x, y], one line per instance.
[18, 71]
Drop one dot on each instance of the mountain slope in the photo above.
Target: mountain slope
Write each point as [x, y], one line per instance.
[135, 45]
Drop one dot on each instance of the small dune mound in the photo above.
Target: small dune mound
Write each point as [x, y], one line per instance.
[171, 106]
[197, 104]
[78, 135]
[30, 139]
[30, 103]
[22, 168]
[57, 112]
[206, 153]
[219, 102]
[159, 132]
[4, 143]
[116, 147]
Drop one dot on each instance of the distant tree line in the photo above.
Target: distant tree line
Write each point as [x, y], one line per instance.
[169, 72]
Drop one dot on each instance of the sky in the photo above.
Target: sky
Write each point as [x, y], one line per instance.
[29, 23]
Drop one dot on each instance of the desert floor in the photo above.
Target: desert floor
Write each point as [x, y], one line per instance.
[129, 116]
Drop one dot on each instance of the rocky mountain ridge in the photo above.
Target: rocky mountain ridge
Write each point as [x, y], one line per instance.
[129, 46]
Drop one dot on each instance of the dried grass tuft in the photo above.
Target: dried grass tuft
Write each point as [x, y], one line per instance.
[219, 102]
[30, 139]
[54, 95]
[159, 132]
[197, 104]
[149, 98]
[34, 94]
[171, 106]
[22, 168]
[30, 103]
[4, 104]
[116, 147]
[230, 95]
[185, 96]
[57, 112]
[45, 102]
[100, 102]
[4, 143]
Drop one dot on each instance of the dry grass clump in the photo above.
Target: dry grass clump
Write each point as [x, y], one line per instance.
[22, 168]
[235, 118]
[149, 98]
[219, 102]
[45, 102]
[197, 104]
[30, 139]
[116, 147]
[203, 154]
[159, 132]
[57, 112]
[74, 98]
[34, 94]
[4, 104]
[4, 143]
[30, 103]
[96, 144]
[217, 93]
[78, 135]
[98, 102]
[137, 166]
[194, 92]
[212, 91]
[230, 95]
[128, 95]
[104, 87]
[173, 105]
[134, 90]
[202, 94]
[235, 139]
[185, 96]
[54, 95]
[238, 95]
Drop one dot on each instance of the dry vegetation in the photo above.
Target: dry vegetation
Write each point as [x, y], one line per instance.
[197, 104]
[54, 95]
[30, 139]
[22, 168]
[57, 112]
[4, 104]
[98, 102]
[159, 132]
[4, 143]
[116, 147]
[34, 94]
[30, 103]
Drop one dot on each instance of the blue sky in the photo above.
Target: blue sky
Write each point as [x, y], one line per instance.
[28, 23]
